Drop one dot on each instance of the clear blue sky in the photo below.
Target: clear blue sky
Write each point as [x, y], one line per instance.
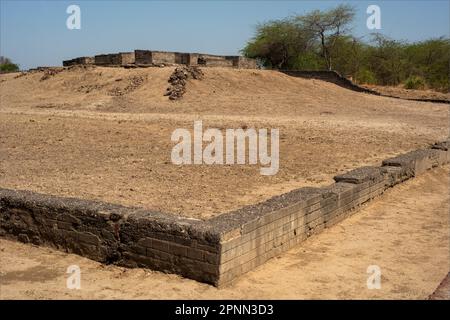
[34, 33]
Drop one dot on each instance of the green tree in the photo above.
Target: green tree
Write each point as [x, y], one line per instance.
[6, 65]
[386, 60]
[430, 59]
[293, 41]
[321, 40]
[348, 55]
[328, 27]
[277, 43]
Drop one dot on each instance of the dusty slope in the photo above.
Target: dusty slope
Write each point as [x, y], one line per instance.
[104, 133]
[403, 93]
[407, 238]
[222, 92]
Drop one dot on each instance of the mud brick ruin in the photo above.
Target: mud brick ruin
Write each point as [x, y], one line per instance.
[218, 250]
[158, 58]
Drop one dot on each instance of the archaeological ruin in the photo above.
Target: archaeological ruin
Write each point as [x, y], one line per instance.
[161, 58]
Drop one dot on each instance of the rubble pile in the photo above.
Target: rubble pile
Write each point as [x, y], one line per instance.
[50, 72]
[179, 78]
[134, 82]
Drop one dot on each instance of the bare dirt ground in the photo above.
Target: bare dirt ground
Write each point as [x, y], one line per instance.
[403, 93]
[104, 134]
[405, 232]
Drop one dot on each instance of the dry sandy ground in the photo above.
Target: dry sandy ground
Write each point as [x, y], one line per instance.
[101, 134]
[409, 93]
[405, 232]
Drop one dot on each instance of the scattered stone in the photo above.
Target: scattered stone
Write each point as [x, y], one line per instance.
[134, 83]
[179, 78]
[20, 75]
[50, 72]
[88, 88]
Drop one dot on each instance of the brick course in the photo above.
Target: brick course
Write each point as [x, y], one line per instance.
[157, 58]
[217, 250]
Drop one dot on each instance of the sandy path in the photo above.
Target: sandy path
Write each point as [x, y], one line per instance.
[405, 232]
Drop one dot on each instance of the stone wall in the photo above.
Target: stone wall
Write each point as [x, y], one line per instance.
[245, 63]
[115, 59]
[77, 61]
[192, 59]
[111, 233]
[151, 58]
[254, 234]
[216, 251]
[147, 57]
[189, 59]
[103, 59]
[143, 57]
[160, 57]
[213, 61]
[126, 58]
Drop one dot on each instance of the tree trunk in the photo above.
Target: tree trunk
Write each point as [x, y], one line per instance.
[325, 51]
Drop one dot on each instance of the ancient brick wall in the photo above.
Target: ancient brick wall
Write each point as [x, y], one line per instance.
[246, 63]
[209, 60]
[115, 59]
[192, 59]
[148, 57]
[161, 57]
[143, 56]
[254, 234]
[216, 251]
[80, 60]
[104, 59]
[216, 63]
[127, 58]
[111, 233]
[183, 58]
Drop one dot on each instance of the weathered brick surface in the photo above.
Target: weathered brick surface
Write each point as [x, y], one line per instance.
[418, 161]
[360, 175]
[111, 233]
[115, 59]
[148, 57]
[143, 57]
[163, 57]
[158, 58]
[243, 62]
[77, 61]
[126, 58]
[217, 250]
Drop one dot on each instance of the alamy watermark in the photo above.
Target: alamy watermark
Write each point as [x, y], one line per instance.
[74, 279]
[374, 279]
[374, 20]
[73, 21]
[233, 140]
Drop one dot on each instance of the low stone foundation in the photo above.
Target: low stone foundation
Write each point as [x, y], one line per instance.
[216, 251]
